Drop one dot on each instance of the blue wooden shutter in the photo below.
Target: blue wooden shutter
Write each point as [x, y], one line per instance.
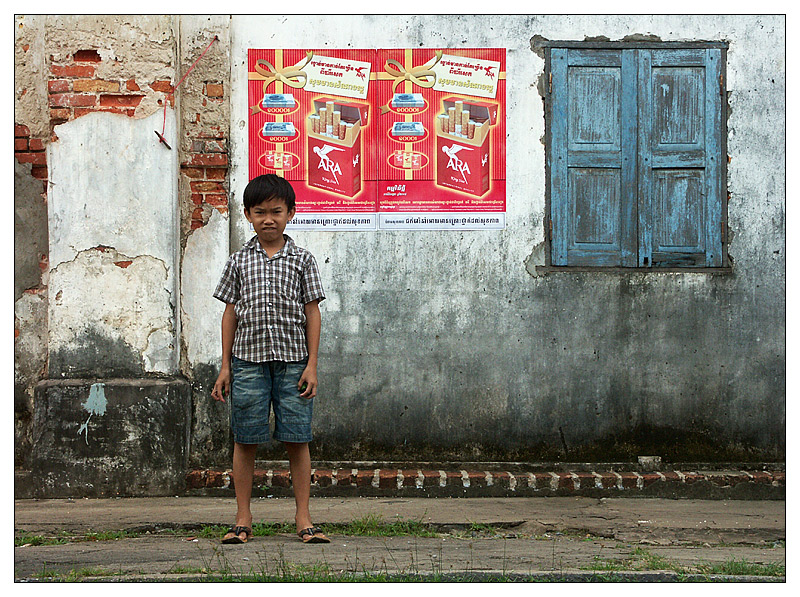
[592, 157]
[679, 155]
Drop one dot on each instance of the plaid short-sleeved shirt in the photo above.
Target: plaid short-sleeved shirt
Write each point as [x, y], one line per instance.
[269, 295]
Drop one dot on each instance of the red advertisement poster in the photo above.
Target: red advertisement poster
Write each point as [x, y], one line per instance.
[391, 139]
[311, 121]
[441, 138]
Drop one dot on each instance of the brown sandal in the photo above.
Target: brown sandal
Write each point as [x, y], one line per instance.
[238, 530]
[313, 535]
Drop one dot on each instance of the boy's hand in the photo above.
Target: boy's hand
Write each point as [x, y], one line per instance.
[222, 387]
[308, 383]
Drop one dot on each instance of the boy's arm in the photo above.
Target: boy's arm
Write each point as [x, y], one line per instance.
[222, 386]
[313, 332]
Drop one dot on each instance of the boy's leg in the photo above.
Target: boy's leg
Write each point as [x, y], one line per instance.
[300, 467]
[244, 459]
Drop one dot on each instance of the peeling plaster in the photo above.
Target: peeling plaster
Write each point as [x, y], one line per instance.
[131, 304]
[203, 260]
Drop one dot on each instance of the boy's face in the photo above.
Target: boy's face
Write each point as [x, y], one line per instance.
[269, 219]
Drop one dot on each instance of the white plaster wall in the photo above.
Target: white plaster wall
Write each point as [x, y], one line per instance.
[112, 184]
[203, 259]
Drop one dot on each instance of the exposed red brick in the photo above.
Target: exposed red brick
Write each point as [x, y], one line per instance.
[78, 112]
[761, 477]
[693, 477]
[20, 130]
[585, 479]
[197, 198]
[364, 478]
[431, 478]
[130, 101]
[72, 100]
[20, 144]
[196, 173]
[60, 114]
[73, 71]
[195, 225]
[26, 47]
[39, 172]
[131, 85]
[58, 86]
[628, 480]
[207, 159]
[216, 173]
[344, 478]
[86, 56]
[453, 477]
[650, 478]
[217, 200]
[322, 478]
[214, 90]
[196, 480]
[36, 144]
[95, 85]
[387, 479]
[206, 186]
[409, 478]
[16, 333]
[38, 158]
[281, 478]
[162, 86]
[122, 264]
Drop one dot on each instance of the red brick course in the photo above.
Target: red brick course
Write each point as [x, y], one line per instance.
[475, 482]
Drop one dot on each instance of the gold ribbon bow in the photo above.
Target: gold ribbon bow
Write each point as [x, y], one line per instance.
[419, 75]
[289, 75]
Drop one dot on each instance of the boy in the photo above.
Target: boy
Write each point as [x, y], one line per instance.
[270, 339]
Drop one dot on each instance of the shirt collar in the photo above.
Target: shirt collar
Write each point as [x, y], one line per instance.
[288, 249]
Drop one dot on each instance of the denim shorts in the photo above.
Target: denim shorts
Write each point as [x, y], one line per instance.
[256, 387]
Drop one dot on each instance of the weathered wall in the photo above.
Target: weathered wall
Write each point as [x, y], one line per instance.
[435, 345]
[90, 92]
[452, 345]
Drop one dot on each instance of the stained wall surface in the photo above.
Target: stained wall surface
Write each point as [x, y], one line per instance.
[456, 345]
[436, 345]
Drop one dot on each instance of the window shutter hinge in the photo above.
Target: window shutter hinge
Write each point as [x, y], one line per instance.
[550, 83]
[551, 229]
[722, 230]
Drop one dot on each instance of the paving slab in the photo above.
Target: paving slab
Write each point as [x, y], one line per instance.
[552, 535]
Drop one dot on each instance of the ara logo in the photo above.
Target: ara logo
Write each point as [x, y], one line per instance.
[355, 160]
[455, 162]
[326, 163]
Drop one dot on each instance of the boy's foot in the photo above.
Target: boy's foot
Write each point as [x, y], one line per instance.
[237, 534]
[313, 535]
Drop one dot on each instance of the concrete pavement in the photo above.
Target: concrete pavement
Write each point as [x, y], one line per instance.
[569, 537]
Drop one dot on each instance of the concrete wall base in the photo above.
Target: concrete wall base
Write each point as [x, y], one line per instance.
[109, 437]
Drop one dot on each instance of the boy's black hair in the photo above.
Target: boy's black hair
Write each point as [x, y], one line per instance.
[268, 186]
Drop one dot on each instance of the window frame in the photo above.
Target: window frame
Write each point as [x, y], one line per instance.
[545, 47]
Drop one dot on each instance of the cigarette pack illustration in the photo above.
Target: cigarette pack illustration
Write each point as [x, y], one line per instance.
[334, 145]
[278, 100]
[462, 144]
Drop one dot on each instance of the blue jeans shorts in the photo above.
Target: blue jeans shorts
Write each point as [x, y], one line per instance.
[256, 387]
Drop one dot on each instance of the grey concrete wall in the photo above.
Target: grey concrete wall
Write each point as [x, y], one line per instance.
[453, 344]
